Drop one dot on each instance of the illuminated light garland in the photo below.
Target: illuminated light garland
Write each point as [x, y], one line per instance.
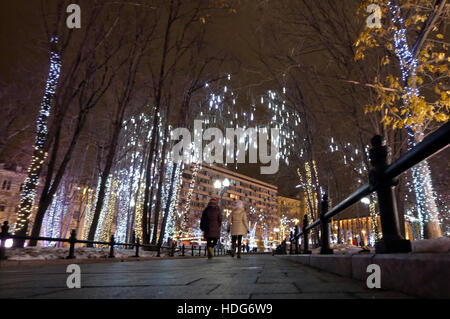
[109, 211]
[139, 212]
[51, 224]
[123, 206]
[177, 180]
[104, 211]
[252, 236]
[309, 191]
[31, 183]
[195, 170]
[90, 209]
[423, 186]
[374, 215]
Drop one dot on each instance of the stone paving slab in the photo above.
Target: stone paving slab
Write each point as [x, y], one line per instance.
[252, 277]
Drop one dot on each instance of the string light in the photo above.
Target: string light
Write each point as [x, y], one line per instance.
[31, 183]
[423, 186]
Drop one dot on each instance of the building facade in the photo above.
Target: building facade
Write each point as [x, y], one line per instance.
[11, 183]
[259, 198]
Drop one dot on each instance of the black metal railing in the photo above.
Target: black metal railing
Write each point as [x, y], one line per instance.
[382, 180]
[72, 240]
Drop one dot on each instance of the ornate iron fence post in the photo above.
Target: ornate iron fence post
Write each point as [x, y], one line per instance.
[158, 251]
[137, 247]
[305, 236]
[111, 249]
[392, 241]
[325, 244]
[72, 241]
[3, 237]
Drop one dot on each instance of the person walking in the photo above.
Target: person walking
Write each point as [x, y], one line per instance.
[238, 226]
[210, 224]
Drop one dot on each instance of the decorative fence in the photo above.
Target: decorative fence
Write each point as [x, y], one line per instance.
[382, 180]
[72, 240]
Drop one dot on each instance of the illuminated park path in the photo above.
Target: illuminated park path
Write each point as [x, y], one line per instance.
[254, 276]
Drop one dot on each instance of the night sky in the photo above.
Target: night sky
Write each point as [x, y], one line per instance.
[255, 29]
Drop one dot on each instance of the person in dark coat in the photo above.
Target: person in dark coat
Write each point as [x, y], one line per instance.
[210, 224]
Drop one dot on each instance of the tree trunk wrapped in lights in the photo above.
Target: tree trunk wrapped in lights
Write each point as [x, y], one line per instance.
[39, 154]
[422, 64]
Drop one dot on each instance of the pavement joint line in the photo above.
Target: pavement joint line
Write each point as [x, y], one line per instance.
[213, 289]
[298, 288]
[191, 282]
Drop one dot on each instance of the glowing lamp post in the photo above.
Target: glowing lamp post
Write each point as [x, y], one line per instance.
[222, 187]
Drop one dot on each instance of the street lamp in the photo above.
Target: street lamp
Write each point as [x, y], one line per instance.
[217, 184]
[222, 186]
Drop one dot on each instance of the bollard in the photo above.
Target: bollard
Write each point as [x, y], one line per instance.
[137, 248]
[296, 231]
[172, 252]
[325, 244]
[3, 237]
[291, 244]
[111, 249]
[392, 241]
[182, 250]
[72, 241]
[192, 248]
[305, 236]
[206, 248]
[199, 250]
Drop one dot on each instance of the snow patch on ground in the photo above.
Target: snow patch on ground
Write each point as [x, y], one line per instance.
[51, 253]
[435, 245]
[345, 249]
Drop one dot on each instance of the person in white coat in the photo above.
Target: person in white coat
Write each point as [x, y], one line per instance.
[238, 226]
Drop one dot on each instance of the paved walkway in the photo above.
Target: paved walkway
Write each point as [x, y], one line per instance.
[254, 276]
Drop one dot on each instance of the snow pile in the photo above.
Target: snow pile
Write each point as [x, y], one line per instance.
[435, 245]
[345, 249]
[49, 253]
